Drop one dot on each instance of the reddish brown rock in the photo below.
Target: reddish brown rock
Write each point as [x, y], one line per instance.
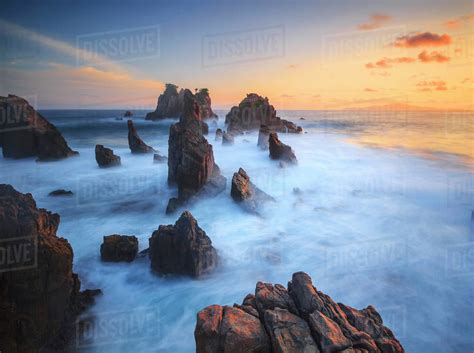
[135, 143]
[278, 150]
[39, 292]
[204, 101]
[182, 248]
[246, 193]
[105, 157]
[116, 248]
[26, 133]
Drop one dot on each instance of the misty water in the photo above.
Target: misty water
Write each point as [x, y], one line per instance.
[377, 211]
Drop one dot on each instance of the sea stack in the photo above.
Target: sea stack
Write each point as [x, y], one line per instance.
[278, 150]
[244, 192]
[116, 248]
[26, 133]
[105, 157]
[135, 143]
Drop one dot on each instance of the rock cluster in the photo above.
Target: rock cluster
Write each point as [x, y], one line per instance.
[254, 111]
[300, 319]
[182, 248]
[190, 157]
[246, 193]
[278, 150]
[128, 114]
[105, 157]
[40, 294]
[171, 104]
[135, 143]
[26, 133]
[116, 248]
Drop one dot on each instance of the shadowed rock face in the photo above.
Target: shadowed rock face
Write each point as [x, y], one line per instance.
[254, 111]
[117, 248]
[171, 104]
[182, 248]
[135, 143]
[278, 150]
[300, 319]
[39, 292]
[246, 193]
[105, 157]
[263, 135]
[26, 133]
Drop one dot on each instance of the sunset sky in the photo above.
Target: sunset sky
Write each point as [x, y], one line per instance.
[302, 55]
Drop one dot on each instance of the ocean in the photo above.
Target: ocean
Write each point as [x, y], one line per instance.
[377, 211]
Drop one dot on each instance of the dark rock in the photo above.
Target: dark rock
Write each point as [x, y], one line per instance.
[117, 248]
[128, 114]
[173, 205]
[105, 157]
[158, 158]
[204, 101]
[246, 193]
[182, 248]
[219, 134]
[254, 111]
[135, 143]
[278, 150]
[60, 192]
[302, 119]
[227, 139]
[300, 319]
[39, 292]
[263, 135]
[26, 133]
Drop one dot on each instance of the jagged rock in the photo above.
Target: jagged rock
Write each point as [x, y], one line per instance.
[278, 150]
[300, 319]
[158, 158]
[173, 204]
[171, 104]
[26, 133]
[219, 134]
[40, 294]
[254, 111]
[182, 248]
[190, 157]
[128, 114]
[135, 143]
[263, 135]
[61, 192]
[246, 193]
[105, 157]
[117, 248]
[227, 139]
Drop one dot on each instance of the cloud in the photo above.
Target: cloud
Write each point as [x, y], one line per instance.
[370, 90]
[426, 39]
[376, 20]
[386, 63]
[435, 56]
[458, 22]
[427, 86]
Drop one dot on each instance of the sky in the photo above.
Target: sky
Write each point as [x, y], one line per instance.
[300, 54]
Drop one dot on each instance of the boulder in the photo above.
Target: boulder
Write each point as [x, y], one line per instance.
[219, 134]
[246, 193]
[300, 319]
[60, 192]
[116, 248]
[105, 157]
[128, 114]
[263, 135]
[254, 111]
[135, 143]
[227, 139]
[26, 133]
[278, 150]
[158, 158]
[182, 248]
[40, 296]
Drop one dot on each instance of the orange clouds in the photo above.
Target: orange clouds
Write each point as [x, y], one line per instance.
[458, 22]
[427, 86]
[386, 63]
[376, 20]
[426, 39]
[426, 57]
[370, 90]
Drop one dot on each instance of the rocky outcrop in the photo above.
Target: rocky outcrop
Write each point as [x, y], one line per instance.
[116, 248]
[60, 192]
[190, 157]
[26, 133]
[219, 134]
[278, 150]
[254, 111]
[227, 139]
[128, 114]
[105, 157]
[246, 193]
[263, 135]
[40, 294]
[300, 319]
[171, 104]
[158, 158]
[135, 143]
[182, 248]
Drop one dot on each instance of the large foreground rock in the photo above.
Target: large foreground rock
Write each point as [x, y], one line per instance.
[244, 192]
[26, 133]
[171, 104]
[135, 143]
[300, 319]
[190, 157]
[254, 111]
[105, 157]
[278, 150]
[182, 248]
[39, 292]
[116, 248]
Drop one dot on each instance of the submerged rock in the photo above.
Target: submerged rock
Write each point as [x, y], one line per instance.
[300, 319]
[26, 133]
[182, 248]
[158, 158]
[117, 248]
[246, 193]
[227, 139]
[278, 150]
[128, 114]
[61, 192]
[40, 294]
[254, 111]
[219, 134]
[135, 143]
[105, 157]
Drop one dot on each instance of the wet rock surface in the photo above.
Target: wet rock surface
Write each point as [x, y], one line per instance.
[278, 150]
[116, 248]
[135, 143]
[244, 192]
[105, 157]
[300, 319]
